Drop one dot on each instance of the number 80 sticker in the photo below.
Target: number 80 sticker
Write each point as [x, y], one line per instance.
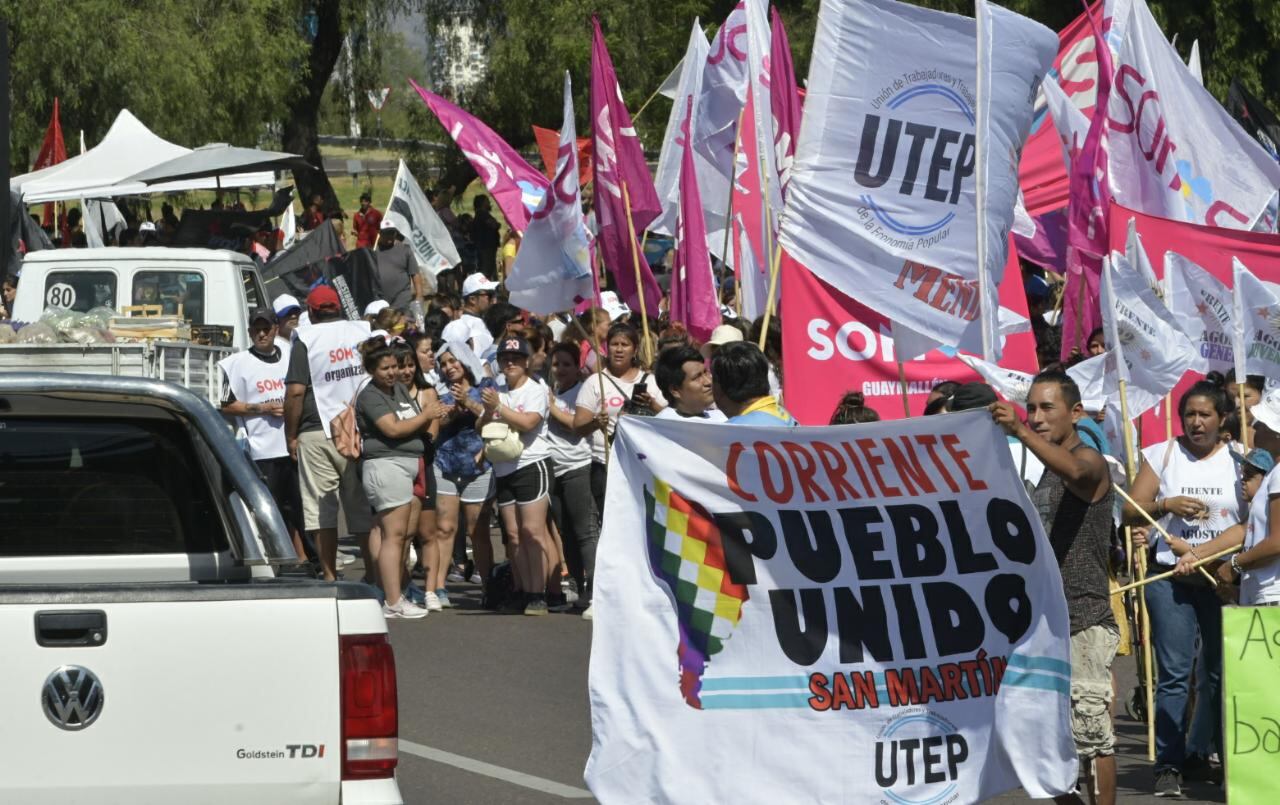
[60, 295]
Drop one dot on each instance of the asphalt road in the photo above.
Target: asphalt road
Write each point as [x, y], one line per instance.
[494, 709]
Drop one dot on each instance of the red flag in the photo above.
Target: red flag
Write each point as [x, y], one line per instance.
[548, 147]
[52, 151]
[619, 163]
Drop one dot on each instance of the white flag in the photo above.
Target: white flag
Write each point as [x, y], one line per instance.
[1174, 151]
[421, 226]
[1011, 384]
[1201, 305]
[759, 42]
[1153, 355]
[1193, 63]
[667, 179]
[1257, 331]
[552, 271]
[882, 201]
[1013, 53]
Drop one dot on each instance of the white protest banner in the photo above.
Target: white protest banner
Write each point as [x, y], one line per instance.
[829, 614]
[552, 271]
[1256, 306]
[881, 202]
[1013, 53]
[759, 45]
[1173, 150]
[1011, 384]
[667, 179]
[1153, 355]
[1201, 304]
[421, 226]
[719, 107]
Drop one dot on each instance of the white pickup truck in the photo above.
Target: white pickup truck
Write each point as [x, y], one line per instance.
[209, 288]
[151, 655]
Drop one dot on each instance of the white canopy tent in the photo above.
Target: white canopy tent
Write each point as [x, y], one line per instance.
[102, 172]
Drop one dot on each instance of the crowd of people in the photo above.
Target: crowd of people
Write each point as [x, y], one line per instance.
[420, 436]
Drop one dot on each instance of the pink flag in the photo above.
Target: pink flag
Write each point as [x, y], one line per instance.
[619, 163]
[1089, 186]
[1081, 313]
[750, 258]
[784, 95]
[693, 290]
[515, 185]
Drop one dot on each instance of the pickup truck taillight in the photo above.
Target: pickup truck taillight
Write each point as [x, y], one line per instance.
[370, 724]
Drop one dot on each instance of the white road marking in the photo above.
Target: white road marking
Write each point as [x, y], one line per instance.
[497, 772]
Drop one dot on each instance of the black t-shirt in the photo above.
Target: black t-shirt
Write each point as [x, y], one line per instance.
[300, 372]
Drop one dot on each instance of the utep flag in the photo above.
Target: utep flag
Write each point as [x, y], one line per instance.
[1174, 151]
[693, 288]
[745, 654]
[667, 179]
[1202, 306]
[516, 186]
[1257, 332]
[1013, 53]
[881, 202]
[1153, 354]
[619, 162]
[421, 226]
[552, 271]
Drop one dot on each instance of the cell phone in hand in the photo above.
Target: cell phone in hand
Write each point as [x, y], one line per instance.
[640, 388]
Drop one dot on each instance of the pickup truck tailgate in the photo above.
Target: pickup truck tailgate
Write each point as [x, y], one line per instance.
[195, 696]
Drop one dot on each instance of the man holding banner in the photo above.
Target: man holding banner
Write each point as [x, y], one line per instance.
[1074, 499]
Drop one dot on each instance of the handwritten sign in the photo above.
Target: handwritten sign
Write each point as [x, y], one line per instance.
[1251, 660]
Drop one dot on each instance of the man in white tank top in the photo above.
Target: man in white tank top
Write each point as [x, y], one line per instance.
[325, 374]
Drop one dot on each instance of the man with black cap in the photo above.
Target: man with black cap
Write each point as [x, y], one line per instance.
[367, 222]
[975, 395]
[255, 399]
[396, 278]
[325, 374]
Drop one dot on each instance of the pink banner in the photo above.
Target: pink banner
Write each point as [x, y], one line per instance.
[832, 344]
[516, 186]
[1042, 174]
[1209, 247]
[693, 288]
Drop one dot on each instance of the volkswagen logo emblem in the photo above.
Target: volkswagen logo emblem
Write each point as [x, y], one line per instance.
[72, 697]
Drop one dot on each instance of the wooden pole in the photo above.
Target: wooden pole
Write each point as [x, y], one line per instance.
[645, 355]
[1168, 416]
[902, 383]
[645, 105]
[771, 250]
[1198, 565]
[1244, 426]
[1141, 556]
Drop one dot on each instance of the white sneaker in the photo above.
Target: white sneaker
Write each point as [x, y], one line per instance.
[433, 602]
[345, 559]
[475, 579]
[403, 609]
[586, 613]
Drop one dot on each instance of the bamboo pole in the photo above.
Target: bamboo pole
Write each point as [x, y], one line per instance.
[1244, 426]
[645, 355]
[1145, 616]
[1160, 528]
[772, 251]
[902, 383]
[1198, 565]
[1168, 416]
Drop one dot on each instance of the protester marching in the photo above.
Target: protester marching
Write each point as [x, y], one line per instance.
[955, 388]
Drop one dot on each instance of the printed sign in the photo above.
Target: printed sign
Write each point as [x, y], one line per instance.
[861, 613]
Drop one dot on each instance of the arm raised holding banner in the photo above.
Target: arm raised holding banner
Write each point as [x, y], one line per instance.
[1084, 472]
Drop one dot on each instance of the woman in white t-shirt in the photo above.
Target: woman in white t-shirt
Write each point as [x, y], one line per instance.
[1258, 565]
[524, 483]
[572, 505]
[1191, 484]
[627, 389]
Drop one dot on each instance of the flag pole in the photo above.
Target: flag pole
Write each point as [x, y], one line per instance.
[1244, 427]
[770, 249]
[645, 350]
[1168, 417]
[645, 105]
[902, 384]
[1140, 557]
[728, 214]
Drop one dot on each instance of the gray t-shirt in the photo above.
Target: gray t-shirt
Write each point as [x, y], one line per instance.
[372, 403]
[393, 279]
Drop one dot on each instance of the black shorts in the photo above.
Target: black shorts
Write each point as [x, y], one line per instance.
[526, 485]
[281, 478]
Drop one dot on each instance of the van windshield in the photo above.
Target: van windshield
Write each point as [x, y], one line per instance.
[74, 487]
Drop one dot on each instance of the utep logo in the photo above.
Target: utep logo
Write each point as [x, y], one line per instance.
[937, 160]
[918, 758]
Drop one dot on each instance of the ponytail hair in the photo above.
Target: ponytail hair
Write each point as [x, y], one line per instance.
[853, 410]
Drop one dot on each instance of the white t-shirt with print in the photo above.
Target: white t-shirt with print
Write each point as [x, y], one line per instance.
[568, 450]
[616, 393]
[1215, 481]
[1261, 585]
[530, 398]
[709, 415]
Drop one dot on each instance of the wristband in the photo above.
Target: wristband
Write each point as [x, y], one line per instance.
[1236, 565]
